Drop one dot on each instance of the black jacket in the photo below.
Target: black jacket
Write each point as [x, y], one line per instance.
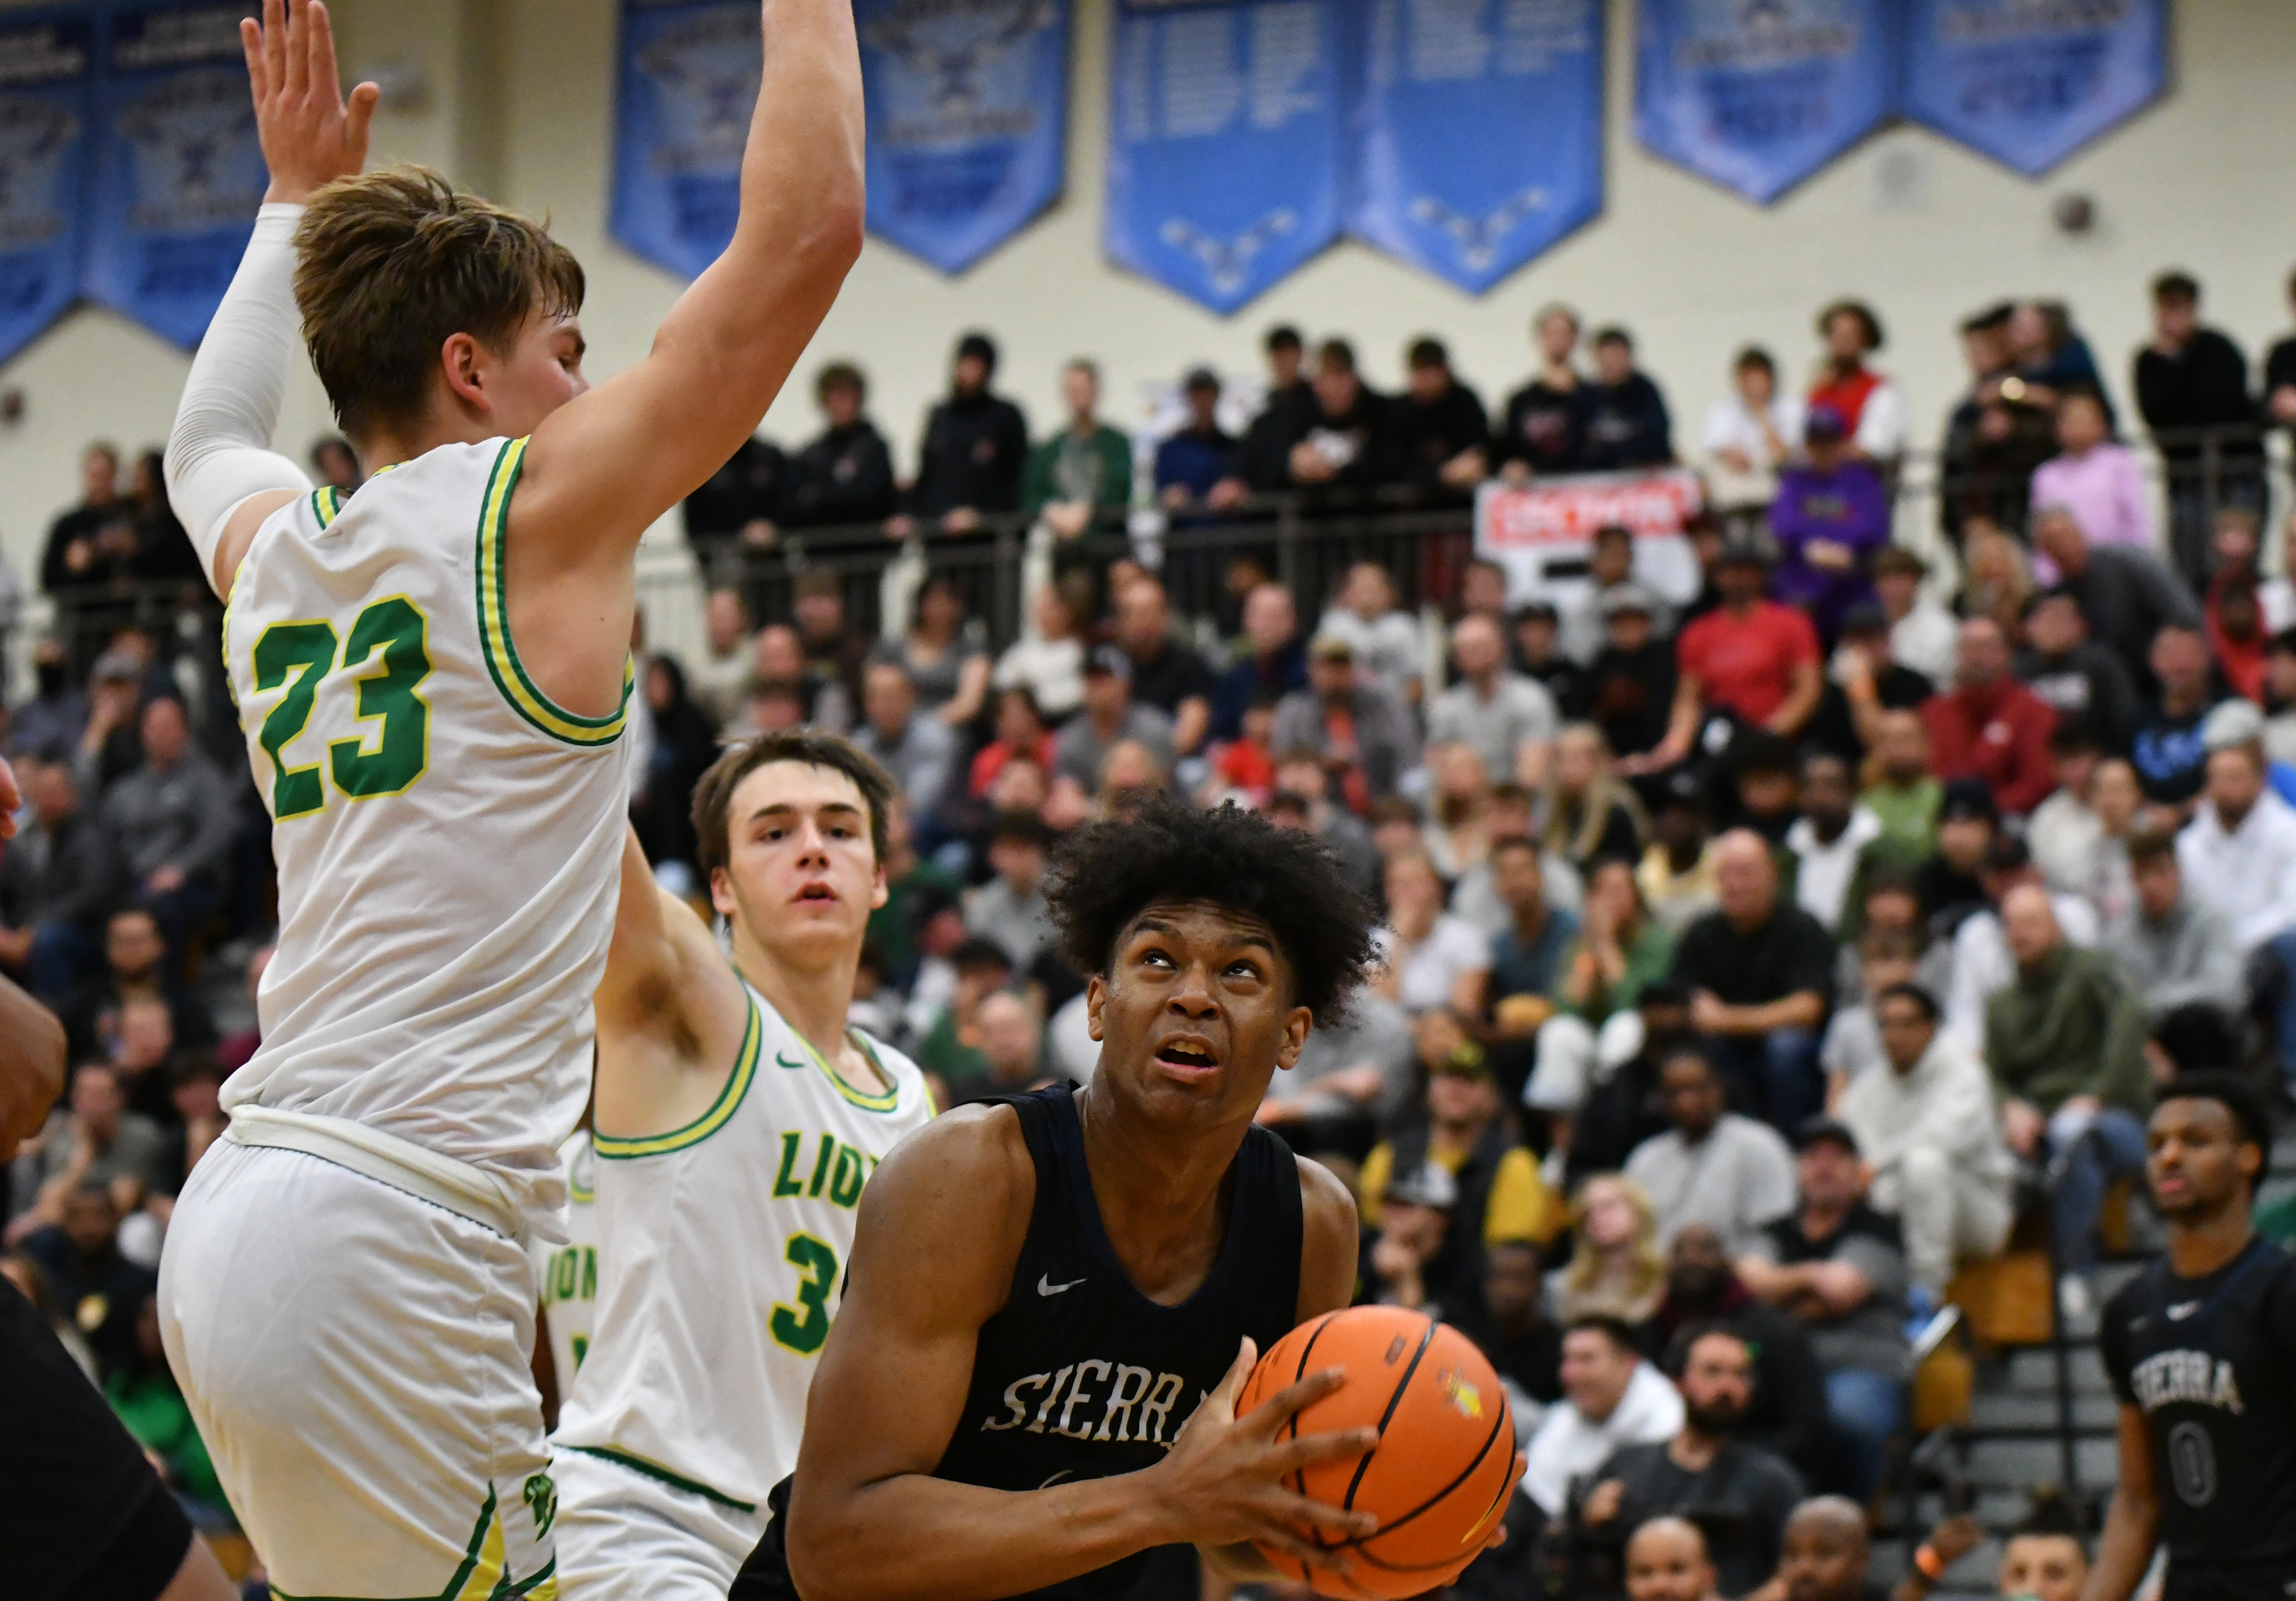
[1626, 426]
[844, 476]
[2204, 385]
[1429, 436]
[748, 489]
[974, 449]
[1546, 429]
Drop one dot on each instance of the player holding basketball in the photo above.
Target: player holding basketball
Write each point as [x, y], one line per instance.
[1032, 1382]
[738, 1118]
[432, 673]
[2202, 1351]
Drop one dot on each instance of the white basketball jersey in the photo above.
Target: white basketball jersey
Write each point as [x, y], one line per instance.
[568, 1273]
[449, 842]
[723, 1249]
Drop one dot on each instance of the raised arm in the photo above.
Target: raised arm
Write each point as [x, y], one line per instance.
[224, 478]
[605, 465]
[670, 1012]
[941, 1226]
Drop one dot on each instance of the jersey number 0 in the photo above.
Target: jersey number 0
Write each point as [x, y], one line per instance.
[389, 654]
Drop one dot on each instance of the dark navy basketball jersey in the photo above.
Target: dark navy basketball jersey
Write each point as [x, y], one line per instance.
[2211, 1363]
[1080, 1375]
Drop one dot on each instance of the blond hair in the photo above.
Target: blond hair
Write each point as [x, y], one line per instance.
[1646, 1285]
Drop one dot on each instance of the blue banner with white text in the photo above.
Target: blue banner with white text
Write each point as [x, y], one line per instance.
[178, 170]
[1225, 143]
[686, 84]
[1758, 95]
[1480, 132]
[47, 63]
[2029, 85]
[968, 113]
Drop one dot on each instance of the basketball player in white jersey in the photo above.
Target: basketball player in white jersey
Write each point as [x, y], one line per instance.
[432, 673]
[738, 1117]
[568, 1274]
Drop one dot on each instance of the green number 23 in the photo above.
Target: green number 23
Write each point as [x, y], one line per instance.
[389, 651]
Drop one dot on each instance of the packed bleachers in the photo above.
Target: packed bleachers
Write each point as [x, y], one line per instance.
[1761, 968]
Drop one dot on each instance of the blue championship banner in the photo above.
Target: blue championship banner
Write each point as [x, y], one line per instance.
[47, 60]
[1225, 143]
[178, 170]
[687, 83]
[2030, 84]
[968, 114]
[1480, 132]
[1758, 95]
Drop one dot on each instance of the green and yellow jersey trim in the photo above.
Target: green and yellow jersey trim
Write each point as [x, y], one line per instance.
[890, 1101]
[509, 673]
[327, 503]
[661, 1474]
[737, 1084]
[483, 1575]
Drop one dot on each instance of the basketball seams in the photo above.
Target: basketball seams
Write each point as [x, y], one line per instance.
[1362, 1548]
[1394, 1399]
[1297, 1478]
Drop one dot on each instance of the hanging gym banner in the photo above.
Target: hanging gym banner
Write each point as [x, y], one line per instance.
[1758, 96]
[1226, 141]
[178, 173]
[968, 103]
[2029, 85]
[47, 63]
[687, 83]
[1480, 133]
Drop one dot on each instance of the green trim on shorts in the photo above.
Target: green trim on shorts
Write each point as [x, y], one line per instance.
[639, 1464]
[540, 1583]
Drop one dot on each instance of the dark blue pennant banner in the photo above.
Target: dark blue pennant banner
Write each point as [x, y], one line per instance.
[47, 64]
[686, 84]
[1225, 143]
[2029, 85]
[1758, 95]
[968, 110]
[1480, 132]
[178, 170]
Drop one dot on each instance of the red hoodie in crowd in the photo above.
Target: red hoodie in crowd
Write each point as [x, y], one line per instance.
[1999, 733]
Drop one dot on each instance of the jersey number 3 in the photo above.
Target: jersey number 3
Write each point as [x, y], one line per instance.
[389, 654]
[802, 1328]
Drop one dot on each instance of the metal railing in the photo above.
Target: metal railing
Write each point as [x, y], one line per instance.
[1304, 541]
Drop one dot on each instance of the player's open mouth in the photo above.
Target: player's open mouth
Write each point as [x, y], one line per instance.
[817, 892]
[1190, 1057]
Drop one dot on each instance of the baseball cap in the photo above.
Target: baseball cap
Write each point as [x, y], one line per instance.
[1199, 378]
[1818, 1129]
[1965, 797]
[1629, 596]
[1107, 660]
[1429, 1184]
[1825, 423]
[2233, 724]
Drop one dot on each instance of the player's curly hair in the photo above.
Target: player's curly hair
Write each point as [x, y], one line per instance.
[1103, 875]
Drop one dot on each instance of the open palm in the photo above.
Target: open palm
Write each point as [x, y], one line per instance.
[310, 135]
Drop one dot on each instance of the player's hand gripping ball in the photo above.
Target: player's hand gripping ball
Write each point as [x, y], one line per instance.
[1441, 1476]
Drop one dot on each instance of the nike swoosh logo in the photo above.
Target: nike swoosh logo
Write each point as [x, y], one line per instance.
[1046, 1286]
[780, 1059]
[2182, 1310]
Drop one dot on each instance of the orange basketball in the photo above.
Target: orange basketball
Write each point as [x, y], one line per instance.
[1438, 1478]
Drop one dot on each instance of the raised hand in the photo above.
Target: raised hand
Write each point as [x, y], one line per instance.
[1223, 1482]
[310, 135]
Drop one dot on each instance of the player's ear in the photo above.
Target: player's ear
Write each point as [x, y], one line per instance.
[1095, 996]
[721, 890]
[1297, 1022]
[461, 367]
[878, 892]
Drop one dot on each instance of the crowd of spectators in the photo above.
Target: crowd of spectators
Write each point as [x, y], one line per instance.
[1749, 959]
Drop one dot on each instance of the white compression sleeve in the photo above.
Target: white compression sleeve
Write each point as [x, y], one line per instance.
[219, 451]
